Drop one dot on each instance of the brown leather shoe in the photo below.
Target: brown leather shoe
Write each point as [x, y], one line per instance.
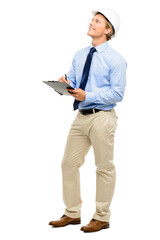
[64, 221]
[94, 226]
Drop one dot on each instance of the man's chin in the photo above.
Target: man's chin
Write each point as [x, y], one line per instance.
[89, 34]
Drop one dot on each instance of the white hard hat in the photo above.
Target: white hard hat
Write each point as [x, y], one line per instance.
[112, 18]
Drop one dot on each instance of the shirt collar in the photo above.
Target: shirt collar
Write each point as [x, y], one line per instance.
[100, 48]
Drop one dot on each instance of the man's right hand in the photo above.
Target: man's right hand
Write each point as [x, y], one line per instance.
[62, 79]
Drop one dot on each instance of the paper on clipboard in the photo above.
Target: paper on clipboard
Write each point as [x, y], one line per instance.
[59, 87]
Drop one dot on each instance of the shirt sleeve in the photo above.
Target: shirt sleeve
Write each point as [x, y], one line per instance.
[115, 92]
[71, 75]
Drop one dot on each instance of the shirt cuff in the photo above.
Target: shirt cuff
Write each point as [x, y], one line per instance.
[72, 85]
[90, 97]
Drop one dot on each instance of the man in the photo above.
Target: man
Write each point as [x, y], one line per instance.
[98, 74]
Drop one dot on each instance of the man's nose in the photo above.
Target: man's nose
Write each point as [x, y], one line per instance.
[91, 23]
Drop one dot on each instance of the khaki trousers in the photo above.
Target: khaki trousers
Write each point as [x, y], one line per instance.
[96, 130]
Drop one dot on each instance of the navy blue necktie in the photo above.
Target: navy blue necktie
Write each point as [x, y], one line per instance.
[85, 74]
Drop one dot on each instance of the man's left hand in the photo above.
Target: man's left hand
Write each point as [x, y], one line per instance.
[78, 94]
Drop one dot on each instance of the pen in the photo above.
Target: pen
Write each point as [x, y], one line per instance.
[66, 77]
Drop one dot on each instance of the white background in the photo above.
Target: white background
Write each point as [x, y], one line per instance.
[38, 41]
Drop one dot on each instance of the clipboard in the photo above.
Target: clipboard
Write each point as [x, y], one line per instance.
[59, 87]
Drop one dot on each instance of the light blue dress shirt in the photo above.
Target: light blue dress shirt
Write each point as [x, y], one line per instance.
[107, 77]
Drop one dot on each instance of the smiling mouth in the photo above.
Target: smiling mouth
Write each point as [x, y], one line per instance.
[91, 28]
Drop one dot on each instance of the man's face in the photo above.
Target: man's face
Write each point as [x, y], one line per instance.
[97, 27]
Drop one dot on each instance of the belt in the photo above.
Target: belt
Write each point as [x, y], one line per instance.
[89, 111]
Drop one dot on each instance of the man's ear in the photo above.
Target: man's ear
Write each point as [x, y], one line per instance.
[107, 31]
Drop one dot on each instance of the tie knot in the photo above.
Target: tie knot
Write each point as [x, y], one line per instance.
[92, 50]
